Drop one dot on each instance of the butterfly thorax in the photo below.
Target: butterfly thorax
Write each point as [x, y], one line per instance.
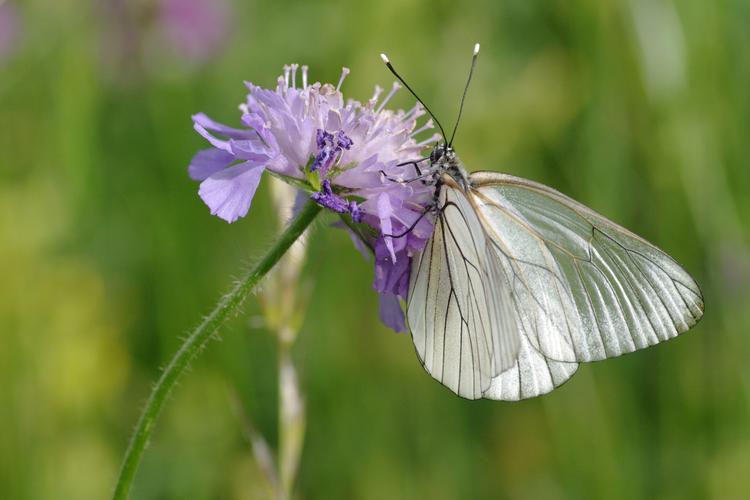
[444, 161]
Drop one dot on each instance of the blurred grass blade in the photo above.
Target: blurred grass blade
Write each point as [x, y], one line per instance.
[261, 450]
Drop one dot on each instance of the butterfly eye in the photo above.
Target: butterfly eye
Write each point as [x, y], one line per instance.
[436, 154]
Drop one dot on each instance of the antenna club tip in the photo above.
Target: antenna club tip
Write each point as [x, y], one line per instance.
[476, 48]
[385, 58]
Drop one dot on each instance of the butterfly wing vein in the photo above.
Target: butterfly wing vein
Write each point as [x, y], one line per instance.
[586, 289]
[461, 324]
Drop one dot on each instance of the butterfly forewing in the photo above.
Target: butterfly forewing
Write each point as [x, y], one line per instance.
[584, 288]
[458, 311]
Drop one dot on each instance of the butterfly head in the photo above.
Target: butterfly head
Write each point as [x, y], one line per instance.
[442, 153]
[444, 161]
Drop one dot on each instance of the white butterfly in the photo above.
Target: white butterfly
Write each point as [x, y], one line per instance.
[520, 283]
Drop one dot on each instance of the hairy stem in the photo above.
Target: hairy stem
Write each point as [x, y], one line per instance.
[197, 340]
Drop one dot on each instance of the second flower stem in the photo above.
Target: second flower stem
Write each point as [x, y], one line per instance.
[197, 340]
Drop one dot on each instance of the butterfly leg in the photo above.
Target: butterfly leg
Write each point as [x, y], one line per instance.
[419, 176]
[431, 208]
[415, 163]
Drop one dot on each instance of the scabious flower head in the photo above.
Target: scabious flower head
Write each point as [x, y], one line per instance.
[351, 157]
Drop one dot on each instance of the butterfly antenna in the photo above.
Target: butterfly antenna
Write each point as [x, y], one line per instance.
[390, 67]
[466, 89]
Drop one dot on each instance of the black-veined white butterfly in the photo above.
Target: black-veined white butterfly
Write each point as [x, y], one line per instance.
[520, 283]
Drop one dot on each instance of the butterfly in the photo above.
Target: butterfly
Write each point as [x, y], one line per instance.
[519, 284]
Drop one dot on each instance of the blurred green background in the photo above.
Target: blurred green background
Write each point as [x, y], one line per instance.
[639, 108]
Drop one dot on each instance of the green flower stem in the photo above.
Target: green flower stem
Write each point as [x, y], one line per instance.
[197, 340]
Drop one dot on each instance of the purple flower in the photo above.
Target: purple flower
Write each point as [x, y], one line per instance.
[194, 29]
[352, 157]
[390, 312]
[10, 29]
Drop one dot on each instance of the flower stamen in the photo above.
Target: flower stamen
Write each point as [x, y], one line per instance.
[328, 199]
[294, 75]
[375, 95]
[287, 68]
[344, 72]
[394, 89]
[414, 112]
[330, 149]
[424, 127]
[435, 137]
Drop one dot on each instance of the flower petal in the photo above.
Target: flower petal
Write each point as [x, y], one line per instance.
[228, 193]
[205, 126]
[391, 313]
[256, 122]
[385, 212]
[391, 276]
[249, 149]
[207, 162]
[215, 142]
[233, 133]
